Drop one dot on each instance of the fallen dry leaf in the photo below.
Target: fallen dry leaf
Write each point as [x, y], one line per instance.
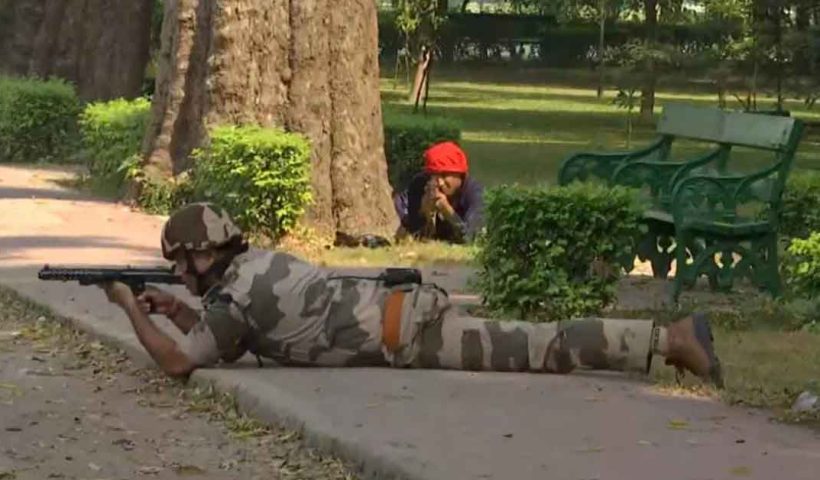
[149, 470]
[590, 450]
[741, 471]
[188, 470]
[677, 424]
[14, 389]
[125, 443]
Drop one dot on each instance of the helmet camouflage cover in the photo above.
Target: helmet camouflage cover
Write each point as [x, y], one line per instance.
[197, 226]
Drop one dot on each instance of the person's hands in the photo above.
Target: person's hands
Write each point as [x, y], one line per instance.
[428, 201]
[118, 293]
[442, 204]
[153, 300]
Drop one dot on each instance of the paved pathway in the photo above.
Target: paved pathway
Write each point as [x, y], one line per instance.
[412, 424]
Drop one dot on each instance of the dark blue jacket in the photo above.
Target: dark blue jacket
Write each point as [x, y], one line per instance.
[469, 208]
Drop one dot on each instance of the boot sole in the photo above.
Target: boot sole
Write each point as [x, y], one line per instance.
[703, 334]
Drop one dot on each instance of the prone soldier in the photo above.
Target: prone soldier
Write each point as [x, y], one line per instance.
[275, 305]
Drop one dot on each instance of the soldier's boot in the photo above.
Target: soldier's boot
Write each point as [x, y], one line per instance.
[690, 346]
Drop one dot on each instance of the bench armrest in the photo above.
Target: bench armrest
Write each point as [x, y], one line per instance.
[601, 164]
[660, 176]
[720, 154]
[720, 196]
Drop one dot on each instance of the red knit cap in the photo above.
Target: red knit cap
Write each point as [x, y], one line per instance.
[445, 157]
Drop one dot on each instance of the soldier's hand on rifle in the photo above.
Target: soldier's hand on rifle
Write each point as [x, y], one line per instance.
[153, 300]
[118, 292]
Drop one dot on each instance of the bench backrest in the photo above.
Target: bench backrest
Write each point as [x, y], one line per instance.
[780, 135]
[726, 127]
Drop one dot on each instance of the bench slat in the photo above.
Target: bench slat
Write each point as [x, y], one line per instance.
[735, 128]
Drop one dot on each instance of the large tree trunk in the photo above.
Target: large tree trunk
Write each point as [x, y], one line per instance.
[102, 46]
[308, 66]
[650, 74]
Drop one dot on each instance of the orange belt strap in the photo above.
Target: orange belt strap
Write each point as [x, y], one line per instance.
[391, 323]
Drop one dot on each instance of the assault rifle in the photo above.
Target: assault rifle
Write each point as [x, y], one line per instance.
[136, 278]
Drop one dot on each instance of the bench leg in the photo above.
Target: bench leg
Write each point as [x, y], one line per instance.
[683, 269]
[758, 262]
[657, 246]
[767, 269]
[694, 256]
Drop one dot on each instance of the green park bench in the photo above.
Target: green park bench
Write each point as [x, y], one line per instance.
[600, 166]
[702, 204]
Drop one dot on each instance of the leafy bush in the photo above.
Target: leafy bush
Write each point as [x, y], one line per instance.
[803, 314]
[112, 133]
[406, 137]
[802, 275]
[38, 120]
[261, 176]
[554, 253]
[802, 266]
[158, 196]
[801, 205]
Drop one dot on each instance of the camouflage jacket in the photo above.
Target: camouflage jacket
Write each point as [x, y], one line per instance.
[278, 306]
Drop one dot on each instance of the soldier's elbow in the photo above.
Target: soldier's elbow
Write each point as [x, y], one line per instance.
[179, 371]
[178, 366]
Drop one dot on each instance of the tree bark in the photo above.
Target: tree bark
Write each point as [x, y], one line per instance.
[102, 46]
[650, 74]
[361, 192]
[308, 66]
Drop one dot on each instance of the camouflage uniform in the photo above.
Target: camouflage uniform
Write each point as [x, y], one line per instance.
[277, 306]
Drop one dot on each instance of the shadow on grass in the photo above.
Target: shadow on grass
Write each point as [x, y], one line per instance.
[577, 125]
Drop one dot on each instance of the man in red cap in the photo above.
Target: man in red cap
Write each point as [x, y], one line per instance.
[443, 202]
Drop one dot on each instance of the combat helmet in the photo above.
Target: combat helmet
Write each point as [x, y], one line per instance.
[198, 226]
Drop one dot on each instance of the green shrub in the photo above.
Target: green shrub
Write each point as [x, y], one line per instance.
[406, 137]
[163, 197]
[159, 196]
[112, 134]
[802, 266]
[553, 253]
[802, 276]
[261, 176]
[801, 205]
[38, 120]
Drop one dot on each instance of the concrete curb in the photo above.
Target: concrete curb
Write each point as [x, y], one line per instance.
[264, 402]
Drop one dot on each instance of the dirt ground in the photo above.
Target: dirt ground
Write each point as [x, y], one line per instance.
[71, 408]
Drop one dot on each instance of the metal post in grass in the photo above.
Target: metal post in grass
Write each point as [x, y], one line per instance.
[423, 83]
[602, 26]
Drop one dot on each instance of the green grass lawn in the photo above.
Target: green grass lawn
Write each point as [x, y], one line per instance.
[521, 133]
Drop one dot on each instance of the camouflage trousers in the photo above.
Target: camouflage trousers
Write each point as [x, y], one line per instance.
[431, 334]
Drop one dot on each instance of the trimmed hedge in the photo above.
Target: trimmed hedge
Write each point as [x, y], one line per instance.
[261, 176]
[802, 275]
[802, 266]
[555, 253]
[38, 120]
[112, 134]
[801, 205]
[406, 137]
